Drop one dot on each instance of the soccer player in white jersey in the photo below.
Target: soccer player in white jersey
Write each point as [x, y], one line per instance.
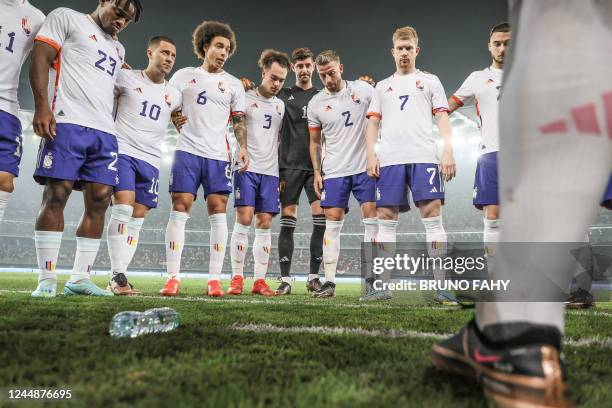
[482, 89]
[404, 107]
[555, 150]
[256, 191]
[19, 22]
[210, 97]
[145, 102]
[337, 116]
[74, 116]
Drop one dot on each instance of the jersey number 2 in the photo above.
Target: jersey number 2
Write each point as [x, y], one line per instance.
[347, 119]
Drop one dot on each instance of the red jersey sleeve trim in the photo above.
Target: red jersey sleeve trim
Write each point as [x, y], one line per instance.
[457, 100]
[237, 113]
[438, 110]
[48, 41]
[375, 114]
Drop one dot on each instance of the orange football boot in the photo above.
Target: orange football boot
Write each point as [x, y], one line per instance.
[171, 287]
[214, 289]
[260, 287]
[236, 285]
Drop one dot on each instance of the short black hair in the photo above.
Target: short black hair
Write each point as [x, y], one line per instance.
[155, 41]
[500, 28]
[137, 5]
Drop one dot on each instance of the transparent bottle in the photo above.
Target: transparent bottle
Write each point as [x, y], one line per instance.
[133, 324]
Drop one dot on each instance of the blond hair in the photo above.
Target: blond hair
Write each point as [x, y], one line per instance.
[406, 33]
[327, 57]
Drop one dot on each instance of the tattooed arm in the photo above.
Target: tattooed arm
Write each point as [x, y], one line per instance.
[315, 158]
[240, 133]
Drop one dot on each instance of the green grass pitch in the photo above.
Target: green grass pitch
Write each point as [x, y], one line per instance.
[226, 354]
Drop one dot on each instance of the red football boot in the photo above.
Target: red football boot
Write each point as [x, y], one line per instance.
[214, 289]
[236, 285]
[260, 287]
[171, 287]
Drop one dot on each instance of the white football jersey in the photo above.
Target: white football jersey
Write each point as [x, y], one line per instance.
[481, 89]
[341, 117]
[143, 113]
[209, 102]
[19, 23]
[264, 119]
[406, 105]
[83, 78]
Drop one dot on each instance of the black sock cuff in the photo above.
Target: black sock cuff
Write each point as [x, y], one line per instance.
[318, 220]
[288, 221]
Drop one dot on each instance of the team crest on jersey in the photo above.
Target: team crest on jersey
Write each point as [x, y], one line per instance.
[48, 161]
[389, 89]
[237, 194]
[168, 99]
[419, 85]
[328, 108]
[93, 37]
[139, 90]
[221, 86]
[27, 27]
[355, 99]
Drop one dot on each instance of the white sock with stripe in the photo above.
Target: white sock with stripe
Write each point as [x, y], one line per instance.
[175, 241]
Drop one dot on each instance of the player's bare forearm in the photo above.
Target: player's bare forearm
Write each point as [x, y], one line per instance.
[444, 126]
[240, 131]
[452, 105]
[372, 134]
[43, 56]
[315, 150]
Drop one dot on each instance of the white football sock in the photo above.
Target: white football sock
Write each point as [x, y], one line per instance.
[261, 252]
[436, 243]
[331, 248]
[116, 237]
[47, 245]
[4, 197]
[370, 229]
[490, 236]
[369, 239]
[218, 241]
[86, 251]
[387, 231]
[240, 244]
[133, 235]
[175, 241]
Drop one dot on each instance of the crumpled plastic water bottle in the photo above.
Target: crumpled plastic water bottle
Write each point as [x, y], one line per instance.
[133, 324]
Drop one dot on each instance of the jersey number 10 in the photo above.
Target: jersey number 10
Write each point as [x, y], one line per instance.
[153, 112]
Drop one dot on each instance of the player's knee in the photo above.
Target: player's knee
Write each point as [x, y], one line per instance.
[264, 221]
[55, 197]
[6, 184]
[98, 200]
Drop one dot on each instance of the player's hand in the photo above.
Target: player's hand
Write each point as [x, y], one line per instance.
[243, 158]
[318, 184]
[448, 168]
[43, 123]
[178, 120]
[247, 84]
[373, 166]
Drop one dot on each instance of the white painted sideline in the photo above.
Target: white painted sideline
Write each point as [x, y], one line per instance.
[387, 333]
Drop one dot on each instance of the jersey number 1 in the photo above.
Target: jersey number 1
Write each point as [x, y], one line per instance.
[9, 47]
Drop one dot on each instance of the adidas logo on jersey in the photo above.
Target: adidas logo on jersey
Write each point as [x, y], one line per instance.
[290, 98]
[489, 81]
[389, 89]
[93, 37]
[328, 108]
[585, 119]
[139, 90]
[434, 190]
[193, 81]
[283, 259]
[254, 105]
